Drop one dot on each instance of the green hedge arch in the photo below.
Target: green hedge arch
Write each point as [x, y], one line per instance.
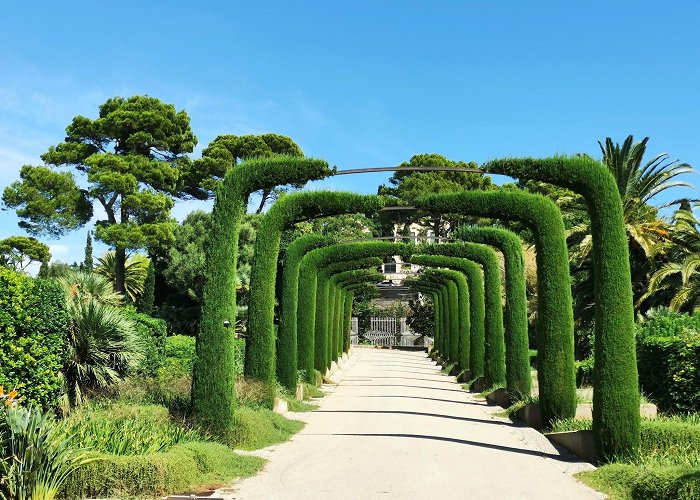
[518, 378]
[308, 283]
[433, 289]
[213, 378]
[448, 311]
[296, 207]
[464, 323]
[616, 419]
[494, 342]
[287, 343]
[555, 332]
[347, 318]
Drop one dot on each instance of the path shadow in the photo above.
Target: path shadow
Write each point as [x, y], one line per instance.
[509, 449]
[475, 403]
[440, 379]
[420, 414]
[406, 385]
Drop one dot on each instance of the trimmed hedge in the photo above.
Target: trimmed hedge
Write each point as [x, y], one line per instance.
[308, 283]
[33, 325]
[433, 287]
[213, 384]
[287, 342]
[463, 320]
[177, 470]
[555, 328]
[475, 284]
[347, 319]
[615, 390]
[518, 378]
[668, 355]
[296, 207]
[494, 343]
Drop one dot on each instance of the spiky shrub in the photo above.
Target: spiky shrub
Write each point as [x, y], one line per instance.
[260, 340]
[616, 417]
[463, 306]
[213, 381]
[518, 379]
[310, 355]
[36, 457]
[555, 328]
[494, 344]
[287, 345]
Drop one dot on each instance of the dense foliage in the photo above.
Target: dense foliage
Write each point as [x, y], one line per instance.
[33, 324]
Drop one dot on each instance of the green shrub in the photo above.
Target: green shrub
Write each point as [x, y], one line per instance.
[259, 428]
[668, 353]
[182, 468]
[180, 351]
[151, 333]
[33, 325]
[126, 429]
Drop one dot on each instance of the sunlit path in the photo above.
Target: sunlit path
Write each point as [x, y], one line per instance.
[395, 427]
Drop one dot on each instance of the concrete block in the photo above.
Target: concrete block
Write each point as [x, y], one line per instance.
[464, 377]
[499, 397]
[455, 370]
[280, 406]
[580, 443]
[531, 415]
[300, 393]
[479, 385]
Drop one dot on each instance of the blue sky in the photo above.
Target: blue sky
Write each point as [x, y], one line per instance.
[358, 83]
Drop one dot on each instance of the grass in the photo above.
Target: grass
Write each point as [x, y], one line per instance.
[311, 391]
[667, 467]
[260, 428]
[515, 407]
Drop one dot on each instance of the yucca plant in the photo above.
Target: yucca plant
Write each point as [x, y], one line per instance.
[35, 456]
[102, 347]
[135, 271]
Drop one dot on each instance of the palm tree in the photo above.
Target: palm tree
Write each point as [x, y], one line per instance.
[679, 278]
[102, 342]
[639, 184]
[135, 270]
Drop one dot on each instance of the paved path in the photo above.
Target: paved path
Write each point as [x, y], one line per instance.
[394, 427]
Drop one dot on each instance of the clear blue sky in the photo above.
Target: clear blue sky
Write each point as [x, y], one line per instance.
[359, 83]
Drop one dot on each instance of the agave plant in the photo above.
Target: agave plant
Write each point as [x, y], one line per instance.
[102, 347]
[35, 456]
[135, 271]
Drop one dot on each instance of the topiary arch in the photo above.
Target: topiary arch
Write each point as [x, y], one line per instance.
[555, 335]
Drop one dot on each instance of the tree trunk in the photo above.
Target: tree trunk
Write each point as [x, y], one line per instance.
[119, 272]
[263, 198]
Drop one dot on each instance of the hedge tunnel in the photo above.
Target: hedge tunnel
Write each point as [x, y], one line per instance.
[312, 262]
[460, 352]
[555, 327]
[475, 283]
[518, 378]
[494, 369]
[296, 207]
[213, 379]
[616, 419]
[435, 290]
[443, 341]
[287, 344]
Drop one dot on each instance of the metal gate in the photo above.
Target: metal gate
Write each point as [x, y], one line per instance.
[386, 332]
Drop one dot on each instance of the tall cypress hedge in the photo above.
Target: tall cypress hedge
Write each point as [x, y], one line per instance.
[518, 379]
[260, 340]
[456, 266]
[616, 417]
[449, 321]
[213, 380]
[555, 332]
[432, 288]
[494, 344]
[287, 344]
